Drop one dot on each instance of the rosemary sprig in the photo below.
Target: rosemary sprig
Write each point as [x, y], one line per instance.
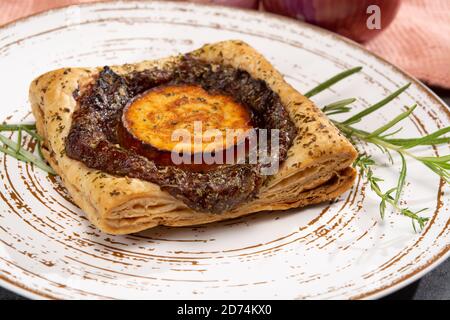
[439, 165]
[387, 144]
[364, 163]
[431, 139]
[15, 149]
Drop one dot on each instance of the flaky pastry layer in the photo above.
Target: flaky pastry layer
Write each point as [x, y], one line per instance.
[317, 169]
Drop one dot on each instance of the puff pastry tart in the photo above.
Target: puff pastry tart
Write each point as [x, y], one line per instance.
[109, 134]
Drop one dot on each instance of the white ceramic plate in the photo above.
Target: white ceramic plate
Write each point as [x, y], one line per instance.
[341, 250]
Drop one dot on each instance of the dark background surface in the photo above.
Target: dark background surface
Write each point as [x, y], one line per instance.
[433, 286]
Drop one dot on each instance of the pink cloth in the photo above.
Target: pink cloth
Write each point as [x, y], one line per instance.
[14, 9]
[418, 41]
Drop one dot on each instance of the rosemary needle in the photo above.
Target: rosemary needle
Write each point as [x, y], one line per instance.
[325, 85]
[401, 179]
[13, 154]
[431, 139]
[16, 127]
[341, 106]
[19, 140]
[39, 147]
[391, 123]
[33, 134]
[357, 117]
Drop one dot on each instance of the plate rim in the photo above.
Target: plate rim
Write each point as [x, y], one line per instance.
[379, 292]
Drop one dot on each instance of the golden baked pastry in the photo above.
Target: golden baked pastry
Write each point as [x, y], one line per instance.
[121, 175]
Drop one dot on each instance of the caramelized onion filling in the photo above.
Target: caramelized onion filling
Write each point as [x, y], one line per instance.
[112, 128]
